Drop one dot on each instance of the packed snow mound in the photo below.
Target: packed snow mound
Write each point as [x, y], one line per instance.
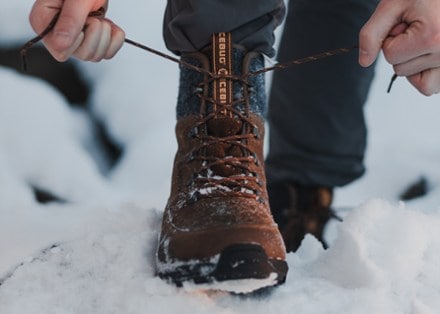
[384, 260]
[41, 141]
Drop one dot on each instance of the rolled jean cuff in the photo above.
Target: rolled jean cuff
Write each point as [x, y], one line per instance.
[188, 25]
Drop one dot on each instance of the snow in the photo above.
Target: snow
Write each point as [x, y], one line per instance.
[243, 286]
[95, 253]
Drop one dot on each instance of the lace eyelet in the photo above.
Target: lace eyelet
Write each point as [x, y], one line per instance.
[197, 90]
[194, 198]
[191, 156]
[193, 132]
[256, 133]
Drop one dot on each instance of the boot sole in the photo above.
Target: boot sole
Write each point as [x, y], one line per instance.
[241, 264]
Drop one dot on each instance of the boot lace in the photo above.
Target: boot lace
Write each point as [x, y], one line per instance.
[241, 181]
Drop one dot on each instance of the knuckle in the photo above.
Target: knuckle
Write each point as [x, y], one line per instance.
[88, 57]
[365, 36]
[60, 45]
[425, 92]
[426, 82]
[431, 40]
[97, 57]
[435, 41]
[65, 23]
[118, 36]
[33, 20]
[390, 52]
[60, 56]
[426, 87]
[398, 69]
[389, 56]
[81, 55]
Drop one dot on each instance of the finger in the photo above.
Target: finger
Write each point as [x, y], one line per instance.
[427, 82]
[104, 42]
[92, 38]
[398, 29]
[40, 15]
[63, 56]
[403, 47]
[376, 30]
[410, 44]
[117, 40]
[417, 65]
[75, 45]
[70, 24]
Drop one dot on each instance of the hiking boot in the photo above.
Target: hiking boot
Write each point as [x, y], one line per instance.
[217, 226]
[299, 210]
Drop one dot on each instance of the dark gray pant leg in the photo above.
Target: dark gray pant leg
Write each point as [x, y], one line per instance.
[189, 24]
[317, 127]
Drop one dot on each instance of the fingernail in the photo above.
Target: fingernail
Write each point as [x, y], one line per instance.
[62, 33]
[65, 36]
[63, 39]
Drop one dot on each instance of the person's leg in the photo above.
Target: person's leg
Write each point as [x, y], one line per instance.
[188, 25]
[217, 224]
[317, 127]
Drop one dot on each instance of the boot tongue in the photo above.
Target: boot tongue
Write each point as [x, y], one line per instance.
[224, 126]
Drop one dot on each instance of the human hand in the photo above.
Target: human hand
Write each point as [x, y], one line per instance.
[408, 32]
[76, 33]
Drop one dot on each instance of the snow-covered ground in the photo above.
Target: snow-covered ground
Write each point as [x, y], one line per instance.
[95, 253]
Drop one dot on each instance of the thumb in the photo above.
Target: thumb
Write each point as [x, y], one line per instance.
[70, 24]
[377, 29]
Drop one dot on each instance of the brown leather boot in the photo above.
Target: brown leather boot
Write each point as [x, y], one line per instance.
[299, 210]
[217, 225]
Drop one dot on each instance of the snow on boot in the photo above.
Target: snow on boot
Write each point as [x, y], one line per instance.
[217, 228]
[300, 210]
